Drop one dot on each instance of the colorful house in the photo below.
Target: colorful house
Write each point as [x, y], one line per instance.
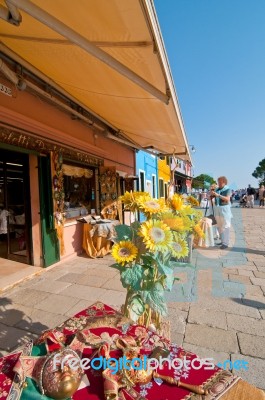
[146, 170]
[182, 175]
[164, 173]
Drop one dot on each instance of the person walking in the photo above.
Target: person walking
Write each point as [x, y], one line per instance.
[222, 208]
[250, 199]
[261, 196]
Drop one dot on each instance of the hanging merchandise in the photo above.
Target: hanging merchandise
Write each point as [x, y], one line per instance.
[58, 195]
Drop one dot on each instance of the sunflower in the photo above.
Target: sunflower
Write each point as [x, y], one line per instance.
[198, 231]
[177, 202]
[126, 198]
[194, 202]
[156, 235]
[151, 206]
[124, 252]
[179, 248]
[131, 199]
[173, 221]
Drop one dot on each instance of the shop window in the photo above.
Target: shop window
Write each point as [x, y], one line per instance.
[142, 181]
[79, 190]
[161, 188]
[154, 185]
[166, 189]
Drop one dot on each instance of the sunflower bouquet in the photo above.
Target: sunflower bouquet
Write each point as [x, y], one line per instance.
[146, 253]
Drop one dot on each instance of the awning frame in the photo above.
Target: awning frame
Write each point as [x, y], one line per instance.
[59, 27]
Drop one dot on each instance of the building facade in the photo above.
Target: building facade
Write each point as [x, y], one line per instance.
[53, 167]
[146, 170]
[182, 171]
[164, 176]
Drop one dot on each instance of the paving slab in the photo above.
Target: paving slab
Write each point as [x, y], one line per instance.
[46, 285]
[178, 320]
[92, 280]
[11, 337]
[179, 305]
[252, 290]
[48, 320]
[70, 277]
[212, 338]
[258, 281]
[28, 297]
[57, 303]
[252, 345]
[245, 324]
[259, 274]
[115, 284]
[245, 272]
[232, 306]
[177, 338]
[79, 306]
[113, 297]
[201, 316]
[84, 292]
[12, 313]
[255, 372]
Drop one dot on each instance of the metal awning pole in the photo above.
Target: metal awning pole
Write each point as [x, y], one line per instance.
[59, 27]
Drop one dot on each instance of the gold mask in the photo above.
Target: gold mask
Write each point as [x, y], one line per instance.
[61, 375]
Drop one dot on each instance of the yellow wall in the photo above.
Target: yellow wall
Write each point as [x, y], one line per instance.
[163, 170]
[163, 173]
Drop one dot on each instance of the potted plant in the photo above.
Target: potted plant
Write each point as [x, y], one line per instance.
[146, 253]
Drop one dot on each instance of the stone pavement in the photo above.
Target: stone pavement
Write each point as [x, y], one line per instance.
[217, 308]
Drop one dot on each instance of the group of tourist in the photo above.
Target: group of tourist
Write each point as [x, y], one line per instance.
[246, 197]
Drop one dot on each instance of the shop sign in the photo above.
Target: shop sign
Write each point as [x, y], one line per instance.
[5, 90]
[26, 141]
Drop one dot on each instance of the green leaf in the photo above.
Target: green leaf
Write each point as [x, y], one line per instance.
[117, 266]
[124, 232]
[163, 269]
[155, 299]
[148, 259]
[136, 225]
[136, 307]
[169, 281]
[132, 277]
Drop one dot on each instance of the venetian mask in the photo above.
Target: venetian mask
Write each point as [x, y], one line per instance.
[61, 375]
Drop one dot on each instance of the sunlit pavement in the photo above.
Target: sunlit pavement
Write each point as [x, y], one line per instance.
[217, 308]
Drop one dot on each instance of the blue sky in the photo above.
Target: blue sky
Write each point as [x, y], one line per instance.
[216, 50]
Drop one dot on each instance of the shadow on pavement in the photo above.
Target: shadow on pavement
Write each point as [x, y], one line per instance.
[247, 250]
[13, 335]
[250, 303]
[236, 249]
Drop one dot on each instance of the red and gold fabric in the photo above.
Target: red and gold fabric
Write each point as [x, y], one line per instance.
[100, 330]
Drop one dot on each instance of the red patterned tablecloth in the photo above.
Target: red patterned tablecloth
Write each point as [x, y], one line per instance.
[101, 324]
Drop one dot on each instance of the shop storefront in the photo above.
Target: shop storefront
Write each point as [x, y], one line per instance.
[49, 178]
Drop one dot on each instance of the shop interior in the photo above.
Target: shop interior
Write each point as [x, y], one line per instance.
[80, 194]
[14, 206]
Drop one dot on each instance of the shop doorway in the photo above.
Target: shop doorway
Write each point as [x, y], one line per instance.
[15, 220]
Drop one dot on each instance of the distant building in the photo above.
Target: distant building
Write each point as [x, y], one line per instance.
[182, 175]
